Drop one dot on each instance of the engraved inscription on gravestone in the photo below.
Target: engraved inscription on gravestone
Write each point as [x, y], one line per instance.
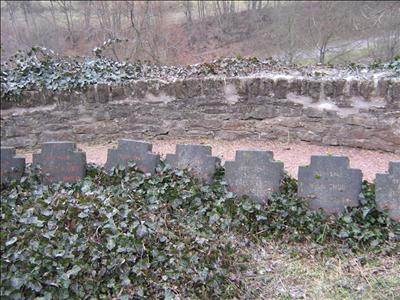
[12, 168]
[136, 151]
[329, 183]
[196, 158]
[254, 173]
[387, 190]
[60, 161]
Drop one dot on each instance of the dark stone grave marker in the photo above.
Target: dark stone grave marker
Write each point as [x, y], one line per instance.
[196, 158]
[254, 173]
[60, 161]
[12, 168]
[329, 183]
[387, 190]
[136, 151]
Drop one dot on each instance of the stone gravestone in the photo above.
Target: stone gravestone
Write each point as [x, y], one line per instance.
[329, 183]
[12, 168]
[136, 151]
[60, 161]
[387, 190]
[254, 173]
[196, 158]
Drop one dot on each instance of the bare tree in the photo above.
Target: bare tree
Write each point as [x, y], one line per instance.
[254, 4]
[53, 13]
[67, 10]
[326, 20]
[188, 11]
[87, 12]
[224, 12]
[290, 43]
[385, 45]
[12, 8]
[26, 7]
[201, 9]
[327, 31]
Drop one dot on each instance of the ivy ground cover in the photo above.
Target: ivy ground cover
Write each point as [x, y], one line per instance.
[124, 235]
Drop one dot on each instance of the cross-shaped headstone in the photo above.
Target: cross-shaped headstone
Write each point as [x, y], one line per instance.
[60, 161]
[12, 168]
[387, 190]
[136, 151]
[329, 183]
[254, 173]
[196, 158]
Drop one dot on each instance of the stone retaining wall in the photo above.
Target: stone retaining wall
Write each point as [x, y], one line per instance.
[331, 112]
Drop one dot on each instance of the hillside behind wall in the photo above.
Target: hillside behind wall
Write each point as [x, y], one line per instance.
[349, 112]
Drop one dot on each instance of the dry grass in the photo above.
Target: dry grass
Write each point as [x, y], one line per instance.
[282, 271]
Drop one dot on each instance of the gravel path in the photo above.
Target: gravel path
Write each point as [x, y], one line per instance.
[293, 155]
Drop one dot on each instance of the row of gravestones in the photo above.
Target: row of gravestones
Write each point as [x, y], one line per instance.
[328, 182]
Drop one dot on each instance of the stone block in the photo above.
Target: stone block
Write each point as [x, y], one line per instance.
[295, 86]
[103, 93]
[117, 92]
[212, 86]
[90, 94]
[395, 92]
[60, 161]
[313, 89]
[387, 190]
[354, 88]
[366, 89]
[139, 88]
[136, 151]
[266, 87]
[329, 88]
[382, 88]
[253, 86]
[334, 89]
[12, 167]
[281, 88]
[329, 183]
[254, 173]
[196, 158]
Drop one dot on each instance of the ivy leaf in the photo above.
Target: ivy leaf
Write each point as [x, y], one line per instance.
[11, 241]
[261, 218]
[83, 214]
[110, 244]
[74, 271]
[343, 234]
[213, 219]
[374, 243]
[17, 282]
[141, 231]
[58, 253]
[347, 219]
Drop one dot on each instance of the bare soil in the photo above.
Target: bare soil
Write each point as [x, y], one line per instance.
[293, 155]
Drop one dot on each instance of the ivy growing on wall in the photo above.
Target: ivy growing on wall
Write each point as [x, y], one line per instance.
[40, 68]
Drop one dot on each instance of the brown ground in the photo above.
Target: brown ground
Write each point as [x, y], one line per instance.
[280, 270]
[293, 155]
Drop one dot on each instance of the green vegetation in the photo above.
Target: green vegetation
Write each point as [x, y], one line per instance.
[125, 235]
[41, 69]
